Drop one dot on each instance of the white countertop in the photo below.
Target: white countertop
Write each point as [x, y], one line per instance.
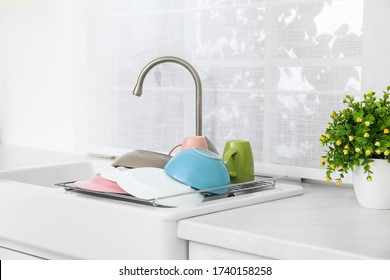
[324, 223]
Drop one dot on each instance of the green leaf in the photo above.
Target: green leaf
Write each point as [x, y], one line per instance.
[358, 114]
[369, 118]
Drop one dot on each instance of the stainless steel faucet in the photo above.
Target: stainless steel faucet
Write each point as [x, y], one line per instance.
[198, 85]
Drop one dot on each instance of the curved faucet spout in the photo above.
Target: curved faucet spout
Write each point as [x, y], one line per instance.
[198, 85]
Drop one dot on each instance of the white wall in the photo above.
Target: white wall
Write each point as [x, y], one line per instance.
[36, 91]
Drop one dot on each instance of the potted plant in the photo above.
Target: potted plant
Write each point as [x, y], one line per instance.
[358, 139]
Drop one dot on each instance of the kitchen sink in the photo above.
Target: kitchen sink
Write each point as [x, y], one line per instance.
[42, 219]
[48, 175]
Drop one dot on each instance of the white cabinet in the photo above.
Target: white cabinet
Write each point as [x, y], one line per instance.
[200, 251]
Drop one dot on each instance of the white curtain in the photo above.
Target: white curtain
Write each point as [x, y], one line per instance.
[272, 71]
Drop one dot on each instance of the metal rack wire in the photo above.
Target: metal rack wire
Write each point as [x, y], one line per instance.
[258, 185]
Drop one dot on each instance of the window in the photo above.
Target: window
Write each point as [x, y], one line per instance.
[272, 71]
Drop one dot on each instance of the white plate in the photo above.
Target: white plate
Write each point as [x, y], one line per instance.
[150, 182]
[111, 173]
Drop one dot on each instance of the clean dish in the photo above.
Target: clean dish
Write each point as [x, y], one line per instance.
[150, 182]
[110, 173]
[100, 184]
[200, 169]
[238, 159]
[194, 142]
[142, 158]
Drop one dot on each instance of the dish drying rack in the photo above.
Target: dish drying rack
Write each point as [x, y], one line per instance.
[258, 185]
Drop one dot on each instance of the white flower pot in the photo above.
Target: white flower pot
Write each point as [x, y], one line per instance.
[374, 194]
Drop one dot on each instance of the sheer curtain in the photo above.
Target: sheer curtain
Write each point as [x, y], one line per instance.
[271, 73]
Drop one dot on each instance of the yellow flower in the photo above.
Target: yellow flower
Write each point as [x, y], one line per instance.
[366, 135]
[322, 164]
[386, 131]
[346, 147]
[331, 166]
[341, 167]
[325, 159]
[327, 135]
[337, 181]
[357, 150]
[333, 114]
[377, 144]
[328, 125]
[378, 152]
[338, 143]
[328, 179]
[369, 178]
[367, 123]
[345, 152]
[322, 138]
[368, 152]
[351, 138]
[358, 120]
[386, 153]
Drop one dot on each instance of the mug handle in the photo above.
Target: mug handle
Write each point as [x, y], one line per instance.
[170, 152]
[227, 156]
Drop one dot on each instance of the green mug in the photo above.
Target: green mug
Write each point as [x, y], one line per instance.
[238, 159]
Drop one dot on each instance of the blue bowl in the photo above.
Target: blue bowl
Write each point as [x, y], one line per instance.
[200, 169]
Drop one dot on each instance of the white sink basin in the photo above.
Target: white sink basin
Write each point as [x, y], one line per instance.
[44, 220]
[48, 175]
[41, 219]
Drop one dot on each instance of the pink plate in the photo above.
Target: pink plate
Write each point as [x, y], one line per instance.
[100, 184]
